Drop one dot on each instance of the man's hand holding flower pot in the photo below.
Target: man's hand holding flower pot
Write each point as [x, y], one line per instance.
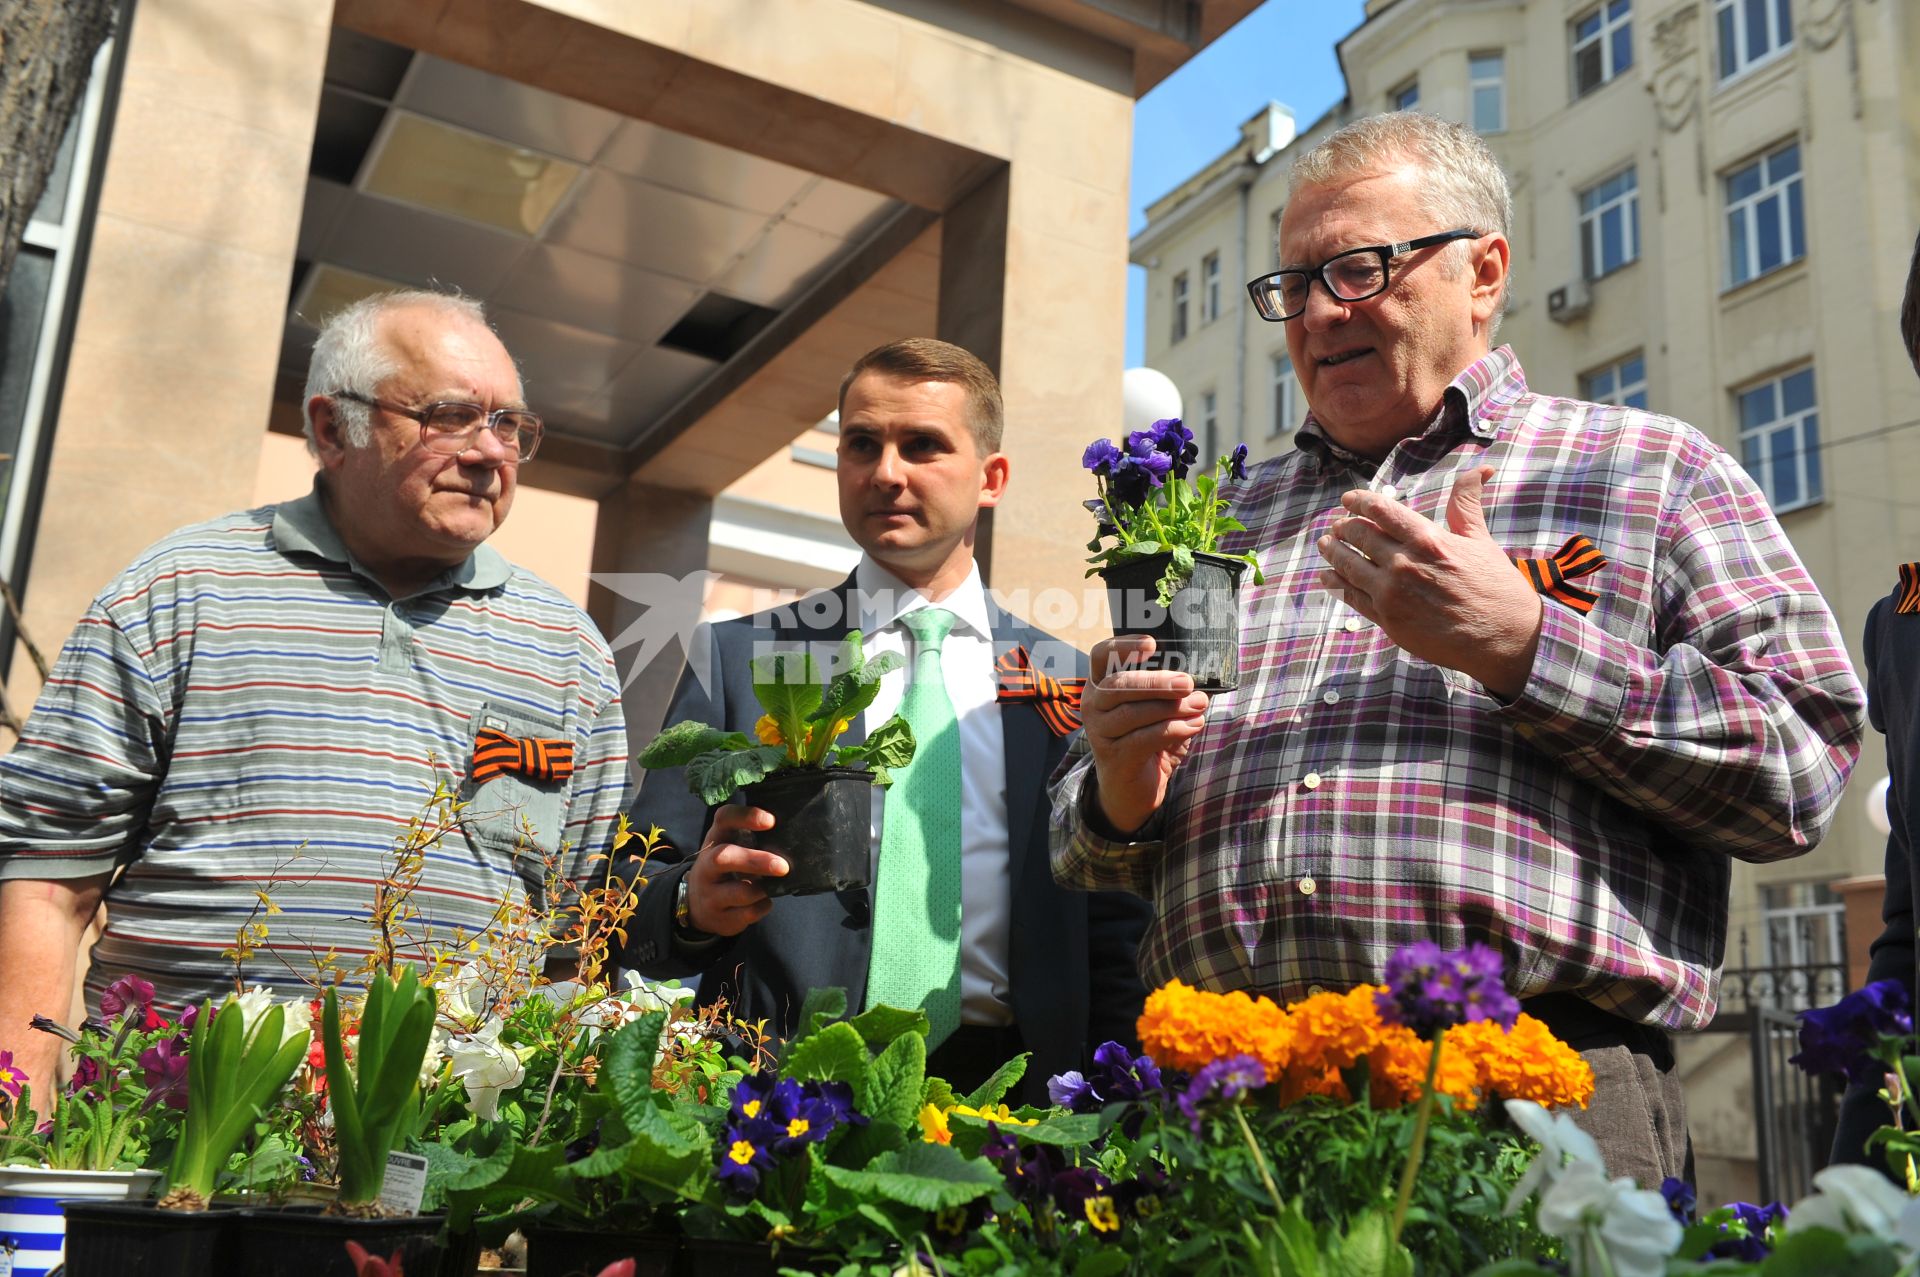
[1139, 724]
[724, 893]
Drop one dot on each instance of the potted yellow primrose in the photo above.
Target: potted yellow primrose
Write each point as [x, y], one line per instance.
[819, 793]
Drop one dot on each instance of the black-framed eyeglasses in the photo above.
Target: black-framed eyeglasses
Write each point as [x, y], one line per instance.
[1352, 276]
[450, 427]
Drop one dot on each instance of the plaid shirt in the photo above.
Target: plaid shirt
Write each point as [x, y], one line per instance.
[1349, 798]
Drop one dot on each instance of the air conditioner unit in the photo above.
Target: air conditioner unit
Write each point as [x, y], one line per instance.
[1569, 302]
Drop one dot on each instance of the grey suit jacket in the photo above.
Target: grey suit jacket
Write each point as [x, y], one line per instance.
[1072, 959]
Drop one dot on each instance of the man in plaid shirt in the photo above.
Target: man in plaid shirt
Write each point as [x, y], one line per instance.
[1427, 743]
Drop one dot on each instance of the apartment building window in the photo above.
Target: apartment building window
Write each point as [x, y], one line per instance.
[1210, 288]
[1766, 228]
[1780, 439]
[1273, 235]
[1623, 383]
[1610, 224]
[1487, 80]
[1407, 96]
[1751, 32]
[1209, 425]
[1286, 398]
[1602, 45]
[1180, 306]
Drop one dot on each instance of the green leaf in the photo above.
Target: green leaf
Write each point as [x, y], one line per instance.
[1179, 572]
[535, 1173]
[1370, 1251]
[1068, 1130]
[937, 1093]
[1104, 1262]
[1135, 550]
[994, 1089]
[820, 1008]
[787, 685]
[882, 1024]
[681, 744]
[896, 1077]
[851, 690]
[834, 1054]
[924, 1176]
[714, 777]
[887, 746]
[627, 1070]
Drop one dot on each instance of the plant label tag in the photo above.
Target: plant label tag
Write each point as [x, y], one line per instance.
[406, 1183]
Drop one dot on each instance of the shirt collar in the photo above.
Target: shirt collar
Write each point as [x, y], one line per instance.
[884, 598]
[1474, 398]
[303, 526]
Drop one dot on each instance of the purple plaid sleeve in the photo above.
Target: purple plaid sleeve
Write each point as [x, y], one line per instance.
[1349, 798]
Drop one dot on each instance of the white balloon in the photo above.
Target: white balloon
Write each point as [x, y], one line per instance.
[1877, 805]
[1146, 396]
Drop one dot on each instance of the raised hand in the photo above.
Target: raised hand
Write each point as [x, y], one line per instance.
[1139, 724]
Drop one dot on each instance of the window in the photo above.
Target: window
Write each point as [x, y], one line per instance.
[1273, 235]
[1286, 398]
[1806, 934]
[1209, 424]
[1487, 82]
[1751, 32]
[1180, 306]
[1765, 227]
[1210, 288]
[1407, 96]
[1602, 45]
[1609, 225]
[1623, 383]
[1780, 439]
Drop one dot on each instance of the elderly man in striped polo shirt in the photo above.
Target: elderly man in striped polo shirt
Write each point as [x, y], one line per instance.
[1427, 744]
[263, 702]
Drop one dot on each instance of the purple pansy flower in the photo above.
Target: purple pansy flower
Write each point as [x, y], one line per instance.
[1072, 1091]
[1237, 464]
[1101, 456]
[1754, 1246]
[1841, 1038]
[1429, 989]
[743, 1153]
[1680, 1198]
[1222, 1081]
[1170, 438]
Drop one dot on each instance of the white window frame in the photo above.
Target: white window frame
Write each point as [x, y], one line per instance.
[1284, 398]
[1789, 191]
[1405, 96]
[1180, 291]
[1620, 387]
[1209, 288]
[1498, 83]
[1209, 425]
[1604, 37]
[1273, 237]
[1730, 32]
[1805, 423]
[1591, 219]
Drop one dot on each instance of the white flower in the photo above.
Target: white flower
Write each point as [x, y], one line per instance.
[436, 1055]
[463, 997]
[1609, 1225]
[257, 1001]
[488, 1069]
[1853, 1199]
[1560, 1140]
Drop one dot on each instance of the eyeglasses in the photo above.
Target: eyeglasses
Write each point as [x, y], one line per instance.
[1352, 276]
[449, 428]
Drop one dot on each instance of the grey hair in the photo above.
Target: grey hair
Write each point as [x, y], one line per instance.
[1467, 187]
[349, 355]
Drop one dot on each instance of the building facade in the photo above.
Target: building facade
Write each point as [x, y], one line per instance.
[1714, 206]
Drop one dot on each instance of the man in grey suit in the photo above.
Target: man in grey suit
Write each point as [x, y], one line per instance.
[1038, 968]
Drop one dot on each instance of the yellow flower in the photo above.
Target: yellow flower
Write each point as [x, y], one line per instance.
[995, 1113]
[1527, 1063]
[768, 731]
[1102, 1214]
[933, 1126]
[840, 726]
[797, 1127]
[741, 1152]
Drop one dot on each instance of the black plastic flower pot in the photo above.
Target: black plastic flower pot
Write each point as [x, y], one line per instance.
[1199, 632]
[823, 827]
[139, 1239]
[720, 1257]
[579, 1252]
[262, 1241]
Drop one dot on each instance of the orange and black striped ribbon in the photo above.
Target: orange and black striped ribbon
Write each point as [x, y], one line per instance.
[1057, 699]
[1909, 590]
[536, 758]
[1554, 575]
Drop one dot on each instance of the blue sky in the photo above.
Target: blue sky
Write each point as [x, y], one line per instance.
[1282, 52]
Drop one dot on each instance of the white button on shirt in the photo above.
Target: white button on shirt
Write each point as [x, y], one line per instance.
[966, 658]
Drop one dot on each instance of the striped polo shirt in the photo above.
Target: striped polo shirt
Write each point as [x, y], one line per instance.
[245, 710]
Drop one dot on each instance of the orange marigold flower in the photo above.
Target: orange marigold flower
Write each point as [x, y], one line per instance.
[1398, 1069]
[1332, 1030]
[1527, 1063]
[1186, 1028]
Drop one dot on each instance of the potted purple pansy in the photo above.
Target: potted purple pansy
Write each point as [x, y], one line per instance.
[1157, 548]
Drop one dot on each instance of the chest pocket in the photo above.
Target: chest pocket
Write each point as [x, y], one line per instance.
[516, 798]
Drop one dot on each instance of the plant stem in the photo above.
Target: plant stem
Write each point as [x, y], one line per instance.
[1260, 1160]
[1422, 1116]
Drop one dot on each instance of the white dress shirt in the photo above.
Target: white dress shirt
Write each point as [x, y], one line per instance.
[966, 658]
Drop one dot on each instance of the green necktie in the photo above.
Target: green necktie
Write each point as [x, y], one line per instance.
[916, 909]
